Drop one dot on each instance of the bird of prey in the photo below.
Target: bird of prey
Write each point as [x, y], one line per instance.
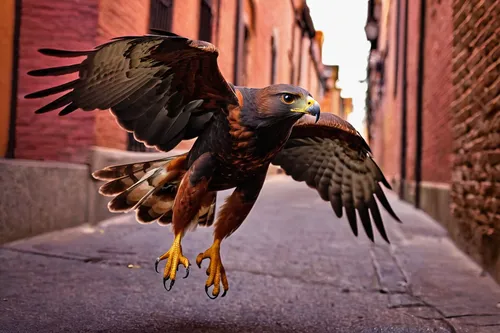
[165, 88]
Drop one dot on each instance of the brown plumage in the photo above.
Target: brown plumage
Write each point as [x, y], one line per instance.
[165, 89]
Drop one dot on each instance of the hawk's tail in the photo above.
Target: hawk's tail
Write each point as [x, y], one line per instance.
[150, 188]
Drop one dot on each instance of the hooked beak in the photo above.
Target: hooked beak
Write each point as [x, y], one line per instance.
[313, 108]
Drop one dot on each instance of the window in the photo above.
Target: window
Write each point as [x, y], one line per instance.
[205, 32]
[245, 29]
[274, 59]
[160, 15]
[245, 57]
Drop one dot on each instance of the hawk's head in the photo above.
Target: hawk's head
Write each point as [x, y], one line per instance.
[279, 102]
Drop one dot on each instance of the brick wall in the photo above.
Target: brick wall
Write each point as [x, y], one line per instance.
[461, 119]
[280, 22]
[117, 18]
[186, 18]
[386, 129]
[82, 24]
[476, 130]
[438, 92]
[69, 24]
[436, 129]
[412, 82]
[7, 15]
[264, 23]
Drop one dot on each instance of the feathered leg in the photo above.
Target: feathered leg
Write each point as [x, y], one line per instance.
[189, 198]
[233, 213]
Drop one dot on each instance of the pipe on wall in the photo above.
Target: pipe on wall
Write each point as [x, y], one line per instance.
[238, 44]
[11, 145]
[404, 105]
[420, 99]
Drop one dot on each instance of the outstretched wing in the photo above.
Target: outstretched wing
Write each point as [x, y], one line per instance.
[333, 158]
[164, 89]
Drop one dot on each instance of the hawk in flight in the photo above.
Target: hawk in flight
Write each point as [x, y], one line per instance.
[165, 88]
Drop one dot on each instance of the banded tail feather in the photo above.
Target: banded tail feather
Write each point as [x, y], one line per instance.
[150, 189]
[121, 177]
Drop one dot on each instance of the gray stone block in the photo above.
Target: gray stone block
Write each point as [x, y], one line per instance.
[38, 196]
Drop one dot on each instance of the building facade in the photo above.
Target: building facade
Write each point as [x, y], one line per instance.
[258, 47]
[434, 113]
[47, 155]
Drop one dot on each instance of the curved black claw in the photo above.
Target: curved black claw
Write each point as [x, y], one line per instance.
[187, 271]
[171, 284]
[211, 297]
[156, 264]
[224, 293]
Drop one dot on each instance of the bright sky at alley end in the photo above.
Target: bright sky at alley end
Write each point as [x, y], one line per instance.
[345, 44]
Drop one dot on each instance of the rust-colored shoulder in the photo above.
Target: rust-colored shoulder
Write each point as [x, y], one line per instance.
[239, 96]
[328, 126]
[327, 121]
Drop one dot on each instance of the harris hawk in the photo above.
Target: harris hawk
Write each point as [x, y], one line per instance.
[165, 88]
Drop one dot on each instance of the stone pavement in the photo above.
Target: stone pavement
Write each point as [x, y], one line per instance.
[292, 267]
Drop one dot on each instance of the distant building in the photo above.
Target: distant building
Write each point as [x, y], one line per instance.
[434, 113]
[331, 102]
[260, 43]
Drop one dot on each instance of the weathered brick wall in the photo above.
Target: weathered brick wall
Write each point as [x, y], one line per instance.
[436, 150]
[386, 129]
[186, 18]
[7, 15]
[475, 116]
[118, 18]
[303, 78]
[412, 82]
[69, 24]
[280, 22]
[438, 92]
[226, 38]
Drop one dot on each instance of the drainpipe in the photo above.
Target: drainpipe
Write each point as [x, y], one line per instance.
[420, 98]
[404, 106]
[217, 27]
[238, 44]
[11, 145]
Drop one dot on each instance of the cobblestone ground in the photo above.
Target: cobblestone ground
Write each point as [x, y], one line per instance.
[292, 267]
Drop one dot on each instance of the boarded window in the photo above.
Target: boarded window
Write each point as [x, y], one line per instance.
[205, 32]
[161, 14]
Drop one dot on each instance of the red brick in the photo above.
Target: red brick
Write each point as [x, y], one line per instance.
[477, 129]
[67, 24]
[438, 94]
[134, 20]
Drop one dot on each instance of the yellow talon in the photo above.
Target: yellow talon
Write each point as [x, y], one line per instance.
[174, 258]
[215, 271]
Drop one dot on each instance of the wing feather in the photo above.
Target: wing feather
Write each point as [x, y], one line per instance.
[333, 158]
[155, 85]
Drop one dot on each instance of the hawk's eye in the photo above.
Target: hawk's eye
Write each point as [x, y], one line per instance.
[288, 98]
